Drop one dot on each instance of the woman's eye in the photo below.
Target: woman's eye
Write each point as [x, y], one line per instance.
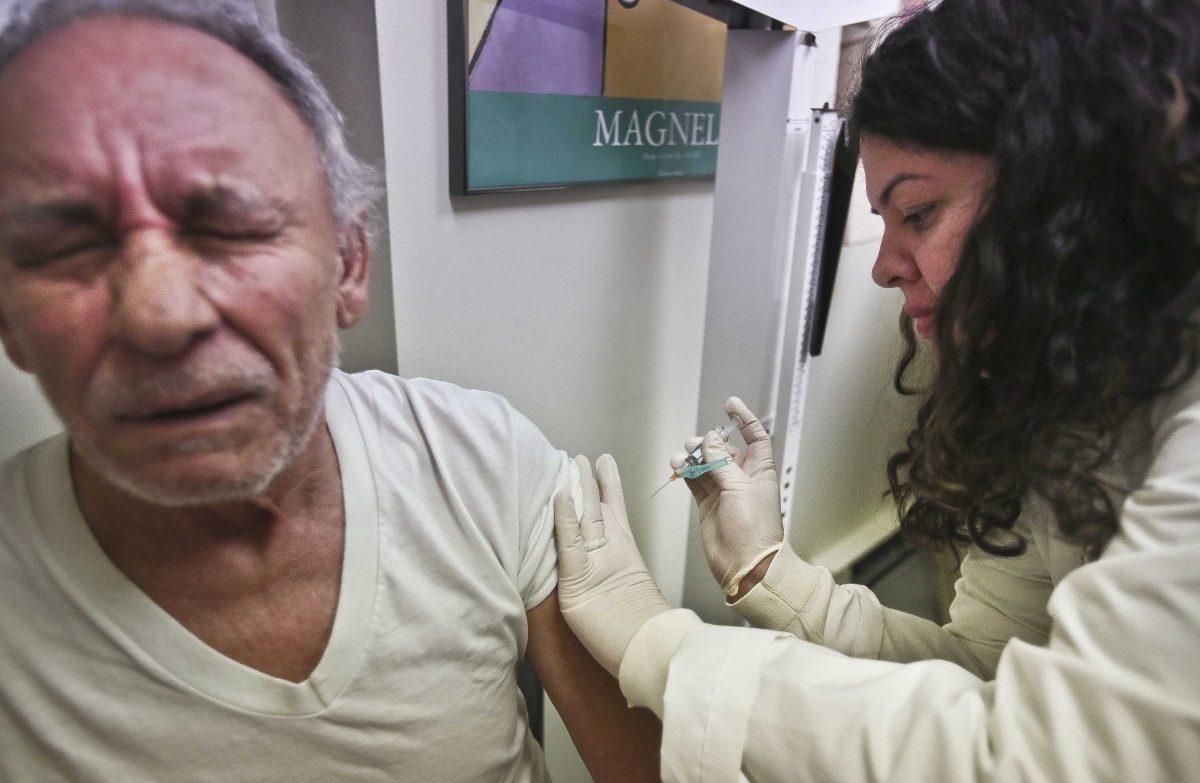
[918, 218]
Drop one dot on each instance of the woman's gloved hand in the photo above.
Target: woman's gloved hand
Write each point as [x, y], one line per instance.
[604, 590]
[740, 520]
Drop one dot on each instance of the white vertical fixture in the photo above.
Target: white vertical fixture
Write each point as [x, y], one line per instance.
[777, 140]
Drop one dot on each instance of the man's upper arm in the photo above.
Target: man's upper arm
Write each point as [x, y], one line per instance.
[541, 471]
[616, 742]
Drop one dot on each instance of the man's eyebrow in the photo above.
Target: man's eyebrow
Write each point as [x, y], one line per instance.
[221, 199]
[886, 196]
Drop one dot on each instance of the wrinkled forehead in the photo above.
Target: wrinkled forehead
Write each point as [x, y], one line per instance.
[105, 83]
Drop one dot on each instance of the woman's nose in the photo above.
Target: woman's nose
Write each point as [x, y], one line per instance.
[894, 265]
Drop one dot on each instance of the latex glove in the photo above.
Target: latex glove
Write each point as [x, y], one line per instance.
[740, 521]
[604, 590]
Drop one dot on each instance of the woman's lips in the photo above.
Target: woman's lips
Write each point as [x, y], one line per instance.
[923, 318]
[925, 325]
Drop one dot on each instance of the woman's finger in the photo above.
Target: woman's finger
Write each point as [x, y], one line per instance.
[758, 440]
[572, 557]
[591, 524]
[611, 493]
[714, 447]
[752, 429]
[698, 489]
[728, 475]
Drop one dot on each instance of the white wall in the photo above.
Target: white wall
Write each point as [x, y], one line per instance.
[25, 418]
[584, 307]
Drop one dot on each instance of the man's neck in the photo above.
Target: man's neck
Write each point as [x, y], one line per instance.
[257, 581]
[308, 491]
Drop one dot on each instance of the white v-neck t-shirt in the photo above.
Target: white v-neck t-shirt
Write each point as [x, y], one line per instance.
[448, 543]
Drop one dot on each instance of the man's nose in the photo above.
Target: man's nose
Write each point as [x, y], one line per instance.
[894, 265]
[159, 305]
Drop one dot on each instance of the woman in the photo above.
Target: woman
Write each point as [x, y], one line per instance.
[1037, 169]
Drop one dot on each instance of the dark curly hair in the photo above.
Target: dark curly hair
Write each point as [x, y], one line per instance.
[1065, 312]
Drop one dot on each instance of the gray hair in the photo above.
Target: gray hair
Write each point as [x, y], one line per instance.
[353, 185]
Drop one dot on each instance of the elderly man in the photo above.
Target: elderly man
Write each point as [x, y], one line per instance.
[239, 563]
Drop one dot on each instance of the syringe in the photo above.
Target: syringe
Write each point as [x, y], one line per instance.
[694, 465]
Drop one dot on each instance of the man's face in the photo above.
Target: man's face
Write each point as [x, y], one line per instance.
[170, 268]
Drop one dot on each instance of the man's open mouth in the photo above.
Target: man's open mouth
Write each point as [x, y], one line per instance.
[193, 410]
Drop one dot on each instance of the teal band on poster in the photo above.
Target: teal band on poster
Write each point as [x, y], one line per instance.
[530, 140]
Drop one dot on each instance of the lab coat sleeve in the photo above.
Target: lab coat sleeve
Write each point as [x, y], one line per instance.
[995, 600]
[1114, 694]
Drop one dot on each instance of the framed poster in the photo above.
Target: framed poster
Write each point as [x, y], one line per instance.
[551, 93]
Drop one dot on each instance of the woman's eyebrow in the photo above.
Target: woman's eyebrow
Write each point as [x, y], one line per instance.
[886, 195]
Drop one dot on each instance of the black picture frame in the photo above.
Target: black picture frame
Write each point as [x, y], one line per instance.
[700, 125]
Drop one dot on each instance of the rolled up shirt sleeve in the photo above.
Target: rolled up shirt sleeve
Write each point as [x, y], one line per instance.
[996, 599]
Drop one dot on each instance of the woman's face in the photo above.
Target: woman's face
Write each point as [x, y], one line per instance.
[928, 200]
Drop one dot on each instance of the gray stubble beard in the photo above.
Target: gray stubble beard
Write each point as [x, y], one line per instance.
[310, 414]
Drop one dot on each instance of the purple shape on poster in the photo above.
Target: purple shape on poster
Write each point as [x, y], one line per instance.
[543, 46]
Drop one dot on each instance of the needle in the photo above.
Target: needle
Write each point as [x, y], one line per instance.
[664, 486]
[694, 471]
[695, 466]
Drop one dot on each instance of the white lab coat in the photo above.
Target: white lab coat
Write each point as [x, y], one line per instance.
[1102, 683]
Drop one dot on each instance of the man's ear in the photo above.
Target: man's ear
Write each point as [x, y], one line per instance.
[354, 274]
[15, 354]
